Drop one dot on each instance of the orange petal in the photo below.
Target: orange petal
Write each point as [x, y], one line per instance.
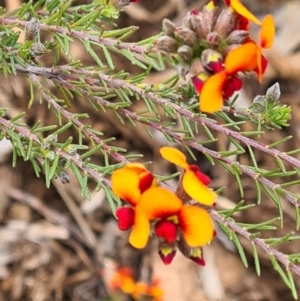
[141, 230]
[125, 185]
[211, 99]
[243, 11]
[196, 225]
[267, 32]
[174, 156]
[158, 202]
[197, 190]
[243, 58]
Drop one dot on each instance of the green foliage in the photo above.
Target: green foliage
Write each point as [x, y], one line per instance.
[168, 108]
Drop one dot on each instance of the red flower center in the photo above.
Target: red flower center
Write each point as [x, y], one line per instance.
[125, 217]
[166, 230]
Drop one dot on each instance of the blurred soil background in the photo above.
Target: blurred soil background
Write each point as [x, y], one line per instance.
[54, 245]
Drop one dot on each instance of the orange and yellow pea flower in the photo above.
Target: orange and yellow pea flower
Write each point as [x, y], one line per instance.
[194, 181]
[243, 11]
[247, 57]
[129, 183]
[123, 280]
[164, 207]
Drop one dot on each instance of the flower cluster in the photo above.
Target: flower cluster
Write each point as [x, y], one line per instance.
[214, 46]
[172, 217]
[124, 281]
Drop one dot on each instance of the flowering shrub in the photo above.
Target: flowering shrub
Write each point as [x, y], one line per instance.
[124, 281]
[210, 52]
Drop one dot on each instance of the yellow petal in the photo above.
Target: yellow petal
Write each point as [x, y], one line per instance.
[197, 190]
[211, 98]
[125, 185]
[243, 11]
[141, 230]
[267, 32]
[158, 202]
[196, 225]
[136, 167]
[174, 156]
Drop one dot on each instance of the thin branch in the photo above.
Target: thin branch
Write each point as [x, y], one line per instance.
[164, 102]
[281, 257]
[132, 47]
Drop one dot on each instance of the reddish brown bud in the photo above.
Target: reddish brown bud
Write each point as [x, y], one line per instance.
[166, 44]
[199, 80]
[195, 254]
[183, 69]
[213, 39]
[37, 49]
[186, 22]
[226, 22]
[186, 36]
[32, 29]
[200, 26]
[196, 67]
[166, 252]
[168, 27]
[209, 13]
[212, 60]
[237, 37]
[185, 52]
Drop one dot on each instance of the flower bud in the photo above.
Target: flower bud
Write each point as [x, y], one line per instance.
[237, 37]
[185, 52]
[71, 150]
[199, 26]
[212, 60]
[166, 252]
[37, 49]
[209, 13]
[64, 177]
[226, 22]
[183, 69]
[32, 29]
[195, 254]
[168, 27]
[196, 67]
[186, 22]
[213, 39]
[258, 105]
[199, 80]
[167, 44]
[186, 36]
